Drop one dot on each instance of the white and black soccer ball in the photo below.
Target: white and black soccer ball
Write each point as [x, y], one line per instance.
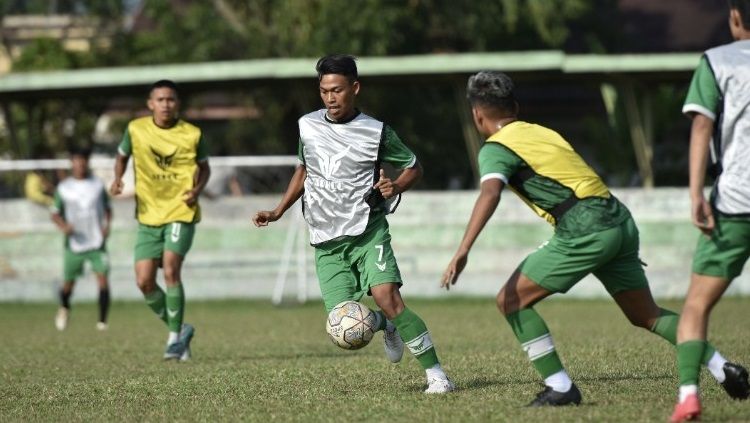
[351, 325]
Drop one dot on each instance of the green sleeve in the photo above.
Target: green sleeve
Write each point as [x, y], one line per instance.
[703, 96]
[126, 147]
[301, 152]
[497, 162]
[57, 204]
[201, 153]
[394, 150]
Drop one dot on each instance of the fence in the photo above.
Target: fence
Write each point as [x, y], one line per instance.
[231, 258]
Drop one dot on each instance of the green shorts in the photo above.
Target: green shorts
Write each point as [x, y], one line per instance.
[347, 269]
[151, 241]
[725, 253]
[73, 263]
[611, 255]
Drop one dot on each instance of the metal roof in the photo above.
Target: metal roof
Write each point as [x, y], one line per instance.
[296, 68]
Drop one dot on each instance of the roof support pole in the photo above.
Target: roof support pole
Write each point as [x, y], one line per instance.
[637, 107]
[472, 140]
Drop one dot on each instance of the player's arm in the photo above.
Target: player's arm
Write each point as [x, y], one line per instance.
[293, 192]
[121, 163]
[395, 152]
[701, 104]
[700, 140]
[201, 179]
[57, 217]
[408, 177]
[489, 198]
[107, 216]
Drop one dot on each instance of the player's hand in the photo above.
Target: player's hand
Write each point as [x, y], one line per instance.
[456, 266]
[190, 197]
[264, 217]
[703, 216]
[67, 229]
[386, 186]
[116, 188]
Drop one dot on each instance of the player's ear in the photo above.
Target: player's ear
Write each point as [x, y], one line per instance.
[355, 87]
[150, 104]
[478, 118]
[735, 20]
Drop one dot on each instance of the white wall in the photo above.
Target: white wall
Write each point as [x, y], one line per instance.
[231, 258]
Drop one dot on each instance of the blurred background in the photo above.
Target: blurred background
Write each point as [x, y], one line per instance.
[609, 75]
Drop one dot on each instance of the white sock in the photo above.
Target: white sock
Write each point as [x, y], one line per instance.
[559, 381]
[686, 390]
[716, 366]
[173, 337]
[436, 372]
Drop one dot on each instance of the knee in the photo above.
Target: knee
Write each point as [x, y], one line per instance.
[503, 305]
[145, 284]
[391, 305]
[171, 274]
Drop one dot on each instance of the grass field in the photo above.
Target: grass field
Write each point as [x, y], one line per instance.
[253, 362]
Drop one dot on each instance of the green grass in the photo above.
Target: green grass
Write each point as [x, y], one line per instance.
[253, 362]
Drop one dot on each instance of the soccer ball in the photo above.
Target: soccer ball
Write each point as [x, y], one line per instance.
[351, 325]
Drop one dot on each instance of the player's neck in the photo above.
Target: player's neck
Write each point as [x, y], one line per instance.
[164, 124]
[501, 122]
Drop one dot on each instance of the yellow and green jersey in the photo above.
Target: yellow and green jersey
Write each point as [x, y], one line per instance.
[165, 163]
[551, 178]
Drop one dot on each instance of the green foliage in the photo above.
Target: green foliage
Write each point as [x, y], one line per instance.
[44, 54]
[254, 362]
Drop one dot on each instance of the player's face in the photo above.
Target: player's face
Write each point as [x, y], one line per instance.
[338, 94]
[79, 166]
[164, 105]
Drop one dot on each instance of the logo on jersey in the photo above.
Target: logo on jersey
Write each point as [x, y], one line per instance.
[330, 164]
[163, 160]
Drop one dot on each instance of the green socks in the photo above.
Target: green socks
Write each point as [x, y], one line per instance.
[689, 357]
[382, 321]
[156, 301]
[175, 307]
[416, 337]
[532, 333]
[666, 327]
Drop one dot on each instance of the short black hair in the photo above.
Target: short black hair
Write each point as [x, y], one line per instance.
[339, 64]
[80, 151]
[163, 83]
[491, 89]
[743, 7]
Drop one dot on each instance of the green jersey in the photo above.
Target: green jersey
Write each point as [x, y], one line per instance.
[553, 174]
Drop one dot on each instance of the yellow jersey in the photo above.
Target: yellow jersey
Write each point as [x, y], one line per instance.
[165, 161]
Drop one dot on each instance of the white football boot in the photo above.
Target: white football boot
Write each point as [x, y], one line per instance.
[394, 345]
[439, 385]
[61, 318]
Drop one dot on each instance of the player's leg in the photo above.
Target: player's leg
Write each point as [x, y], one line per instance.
[149, 247]
[515, 301]
[555, 267]
[100, 265]
[72, 269]
[716, 262]
[145, 279]
[375, 264]
[178, 240]
[414, 333]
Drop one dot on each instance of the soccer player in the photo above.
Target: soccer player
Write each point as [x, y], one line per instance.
[594, 233]
[81, 211]
[171, 169]
[718, 101]
[344, 193]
